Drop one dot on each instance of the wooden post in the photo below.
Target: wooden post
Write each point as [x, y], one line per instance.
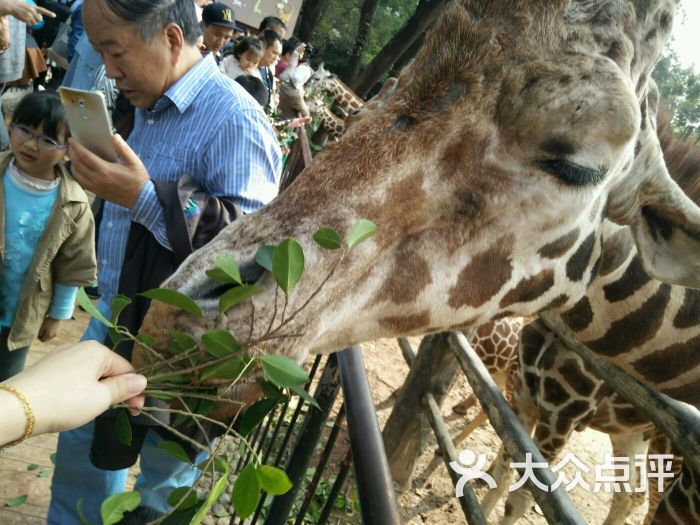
[407, 429]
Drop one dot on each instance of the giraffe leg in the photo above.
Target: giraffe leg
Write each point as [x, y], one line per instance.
[501, 472]
[624, 502]
[681, 501]
[660, 444]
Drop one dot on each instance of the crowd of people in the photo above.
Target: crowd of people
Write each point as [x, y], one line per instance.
[193, 97]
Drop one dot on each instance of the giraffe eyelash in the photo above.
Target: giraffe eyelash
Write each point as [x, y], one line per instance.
[570, 173]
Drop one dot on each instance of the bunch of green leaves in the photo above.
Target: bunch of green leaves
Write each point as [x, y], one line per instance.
[183, 376]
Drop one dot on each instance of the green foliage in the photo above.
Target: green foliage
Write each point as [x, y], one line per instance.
[236, 295]
[174, 450]
[214, 494]
[328, 238]
[16, 502]
[123, 428]
[226, 270]
[273, 480]
[246, 492]
[288, 264]
[334, 36]
[255, 414]
[174, 298]
[229, 369]
[282, 371]
[680, 89]
[113, 508]
[182, 498]
[220, 343]
[86, 304]
[264, 257]
[361, 231]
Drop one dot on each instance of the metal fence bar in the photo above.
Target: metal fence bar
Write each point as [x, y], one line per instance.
[336, 488]
[468, 501]
[556, 505]
[325, 395]
[320, 467]
[679, 421]
[374, 484]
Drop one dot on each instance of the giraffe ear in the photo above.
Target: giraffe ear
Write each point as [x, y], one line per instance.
[665, 223]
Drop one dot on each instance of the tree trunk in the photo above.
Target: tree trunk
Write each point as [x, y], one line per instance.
[407, 56]
[426, 12]
[308, 19]
[369, 7]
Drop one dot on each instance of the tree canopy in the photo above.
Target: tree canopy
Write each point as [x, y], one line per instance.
[679, 87]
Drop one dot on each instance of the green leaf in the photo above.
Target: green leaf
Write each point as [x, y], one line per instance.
[113, 508]
[33, 466]
[19, 500]
[299, 390]
[264, 257]
[255, 414]
[220, 343]
[86, 304]
[44, 474]
[216, 492]
[119, 302]
[174, 500]
[219, 464]
[175, 450]
[174, 378]
[328, 238]
[288, 264]
[123, 428]
[246, 492]
[174, 298]
[361, 230]
[183, 340]
[52, 457]
[147, 340]
[283, 371]
[273, 480]
[236, 295]
[225, 271]
[229, 369]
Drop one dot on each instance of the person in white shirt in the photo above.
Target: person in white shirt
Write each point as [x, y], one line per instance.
[244, 60]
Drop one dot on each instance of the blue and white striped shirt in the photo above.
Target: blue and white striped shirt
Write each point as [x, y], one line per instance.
[208, 126]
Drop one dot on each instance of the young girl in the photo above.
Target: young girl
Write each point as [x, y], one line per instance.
[244, 60]
[47, 245]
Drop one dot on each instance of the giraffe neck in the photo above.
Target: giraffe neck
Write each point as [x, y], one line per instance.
[649, 328]
[344, 96]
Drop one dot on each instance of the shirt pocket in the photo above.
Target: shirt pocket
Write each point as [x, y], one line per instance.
[167, 163]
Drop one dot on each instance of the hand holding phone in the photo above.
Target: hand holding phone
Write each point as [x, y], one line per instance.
[89, 121]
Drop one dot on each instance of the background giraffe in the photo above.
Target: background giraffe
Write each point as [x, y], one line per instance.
[649, 328]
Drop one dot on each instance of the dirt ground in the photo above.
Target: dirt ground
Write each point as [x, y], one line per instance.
[430, 500]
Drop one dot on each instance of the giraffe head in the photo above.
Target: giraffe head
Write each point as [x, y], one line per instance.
[488, 171]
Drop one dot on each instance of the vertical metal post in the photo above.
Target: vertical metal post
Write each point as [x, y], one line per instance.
[374, 484]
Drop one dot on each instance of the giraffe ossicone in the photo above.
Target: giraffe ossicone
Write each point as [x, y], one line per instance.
[489, 170]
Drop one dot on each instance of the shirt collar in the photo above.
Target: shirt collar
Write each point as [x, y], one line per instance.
[187, 87]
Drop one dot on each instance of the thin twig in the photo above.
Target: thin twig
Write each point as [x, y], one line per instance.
[179, 434]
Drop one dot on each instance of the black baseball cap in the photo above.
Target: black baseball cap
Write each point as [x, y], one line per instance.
[219, 14]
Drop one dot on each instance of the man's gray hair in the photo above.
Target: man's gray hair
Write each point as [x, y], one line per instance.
[150, 16]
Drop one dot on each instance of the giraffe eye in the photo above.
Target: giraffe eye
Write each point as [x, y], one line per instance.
[571, 173]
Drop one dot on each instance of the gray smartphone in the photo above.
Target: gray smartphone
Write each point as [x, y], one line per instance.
[89, 121]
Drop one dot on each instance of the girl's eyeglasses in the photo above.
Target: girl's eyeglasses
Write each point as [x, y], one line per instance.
[44, 142]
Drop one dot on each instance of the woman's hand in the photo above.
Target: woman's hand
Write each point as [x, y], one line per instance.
[21, 10]
[75, 384]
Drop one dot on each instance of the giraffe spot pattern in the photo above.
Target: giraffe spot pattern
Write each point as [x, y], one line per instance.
[409, 276]
[632, 280]
[616, 250]
[666, 363]
[579, 316]
[574, 376]
[689, 312]
[401, 324]
[491, 269]
[576, 266]
[554, 393]
[529, 289]
[532, 341]
[636, 328]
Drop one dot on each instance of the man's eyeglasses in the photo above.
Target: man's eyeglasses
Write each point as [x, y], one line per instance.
[44, 142]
